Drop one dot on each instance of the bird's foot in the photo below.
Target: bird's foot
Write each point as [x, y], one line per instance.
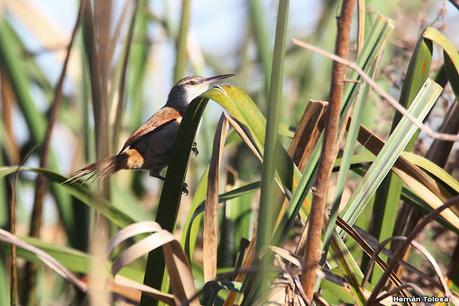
[184, 186]
[157, 175]
[185, 189]
[194, 149]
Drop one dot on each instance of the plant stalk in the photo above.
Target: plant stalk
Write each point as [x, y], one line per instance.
[330, 150]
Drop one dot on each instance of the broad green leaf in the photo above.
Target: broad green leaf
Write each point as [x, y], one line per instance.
[241, 107]
[116, 216]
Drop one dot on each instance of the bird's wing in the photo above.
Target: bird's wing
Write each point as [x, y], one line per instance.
[163, 116]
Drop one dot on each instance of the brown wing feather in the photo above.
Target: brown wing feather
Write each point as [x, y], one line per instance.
[164, 115]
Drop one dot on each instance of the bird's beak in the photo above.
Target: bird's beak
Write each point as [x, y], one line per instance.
[218, 77]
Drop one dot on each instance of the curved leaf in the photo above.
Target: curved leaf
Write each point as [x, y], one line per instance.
[451, 56]
[433, 169]
[390, 152]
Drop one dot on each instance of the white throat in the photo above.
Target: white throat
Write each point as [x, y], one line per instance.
[194, 91]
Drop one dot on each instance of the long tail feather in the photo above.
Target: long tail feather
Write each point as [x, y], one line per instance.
[100, 169]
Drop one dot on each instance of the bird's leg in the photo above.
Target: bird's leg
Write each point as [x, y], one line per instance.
[157, 175]
[184, 187]
[160, 177]
[194, 149]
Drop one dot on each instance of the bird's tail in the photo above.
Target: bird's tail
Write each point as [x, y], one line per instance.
[100, 169]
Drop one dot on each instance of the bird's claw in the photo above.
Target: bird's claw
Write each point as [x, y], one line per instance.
[185, 189]
[194, 149]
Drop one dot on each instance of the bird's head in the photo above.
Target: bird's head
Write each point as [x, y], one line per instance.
[185, 90]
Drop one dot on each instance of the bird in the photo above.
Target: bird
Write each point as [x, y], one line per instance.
[150, 146]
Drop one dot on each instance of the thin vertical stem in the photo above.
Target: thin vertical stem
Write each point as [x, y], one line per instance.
[181, 42]
[122, 83]
[97, 25]
[8, 101]
[261, 35]
[329, 152]
[13, 265]
[272, 130]
[265, 216]
[41, 185]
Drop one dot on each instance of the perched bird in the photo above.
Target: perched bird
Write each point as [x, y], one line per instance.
[150, 146]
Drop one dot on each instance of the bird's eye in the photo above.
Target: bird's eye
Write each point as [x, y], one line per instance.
[192, 82]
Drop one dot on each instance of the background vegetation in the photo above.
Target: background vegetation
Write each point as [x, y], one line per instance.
[297, 133]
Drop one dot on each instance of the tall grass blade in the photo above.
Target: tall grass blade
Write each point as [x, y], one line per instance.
[265, 217]
[346, 160]
[29, 290]
[172, 191]
[11, 61]
[366, 58]
[421, 105]
[439, 150]
[266, 207]
[260, 32]
[96, 35]
[373, 47]
[388, 195]
[374, 144]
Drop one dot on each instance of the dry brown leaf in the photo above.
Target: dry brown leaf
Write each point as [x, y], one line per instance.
[177, 263]
[179, 269]
[210, 243]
